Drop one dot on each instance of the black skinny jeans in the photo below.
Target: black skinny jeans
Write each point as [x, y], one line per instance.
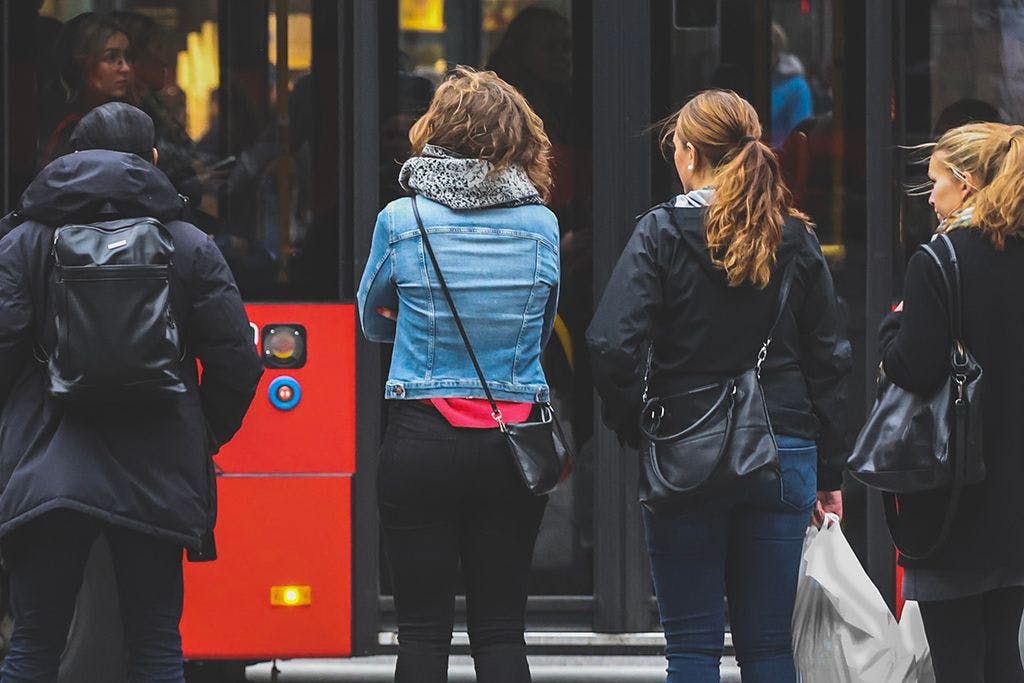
[974, 639]
[46, 560]
[451, 497]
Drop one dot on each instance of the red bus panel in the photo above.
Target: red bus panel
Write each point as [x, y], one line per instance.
[318, 434]
[274, 531]
[284, 502]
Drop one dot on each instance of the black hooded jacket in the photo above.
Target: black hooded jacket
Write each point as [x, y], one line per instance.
[145, 467]
[665, 289]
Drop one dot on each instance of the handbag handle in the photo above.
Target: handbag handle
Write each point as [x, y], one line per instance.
[495, 411]
[956, 304]
[652, 454]
[727, 393]
[762, 354]
[953, 286]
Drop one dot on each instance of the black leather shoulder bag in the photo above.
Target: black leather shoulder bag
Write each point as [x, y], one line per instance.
[912, 443]
[698, 442]
[539, 449]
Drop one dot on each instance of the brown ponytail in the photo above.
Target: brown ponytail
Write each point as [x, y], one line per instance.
[744, 222]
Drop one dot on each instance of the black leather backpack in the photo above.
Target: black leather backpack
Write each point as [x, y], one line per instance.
[117, 340]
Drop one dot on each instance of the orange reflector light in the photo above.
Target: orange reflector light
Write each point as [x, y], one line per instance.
[290, 596]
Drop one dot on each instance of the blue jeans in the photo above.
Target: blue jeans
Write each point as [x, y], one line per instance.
[46, 559]
[745, 543]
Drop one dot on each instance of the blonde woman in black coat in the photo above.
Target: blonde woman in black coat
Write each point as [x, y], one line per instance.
[972, 591]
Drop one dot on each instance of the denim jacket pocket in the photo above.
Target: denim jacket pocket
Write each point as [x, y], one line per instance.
[799, 476]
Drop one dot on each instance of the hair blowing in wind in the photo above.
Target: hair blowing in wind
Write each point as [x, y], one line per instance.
[993, 154]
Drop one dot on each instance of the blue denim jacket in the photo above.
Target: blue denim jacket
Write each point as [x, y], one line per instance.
[501, 266]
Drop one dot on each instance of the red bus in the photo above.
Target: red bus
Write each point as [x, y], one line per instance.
[284, 122]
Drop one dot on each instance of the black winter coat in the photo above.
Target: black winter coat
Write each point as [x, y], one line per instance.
[145, 467]
[988, 531]
[666, 289]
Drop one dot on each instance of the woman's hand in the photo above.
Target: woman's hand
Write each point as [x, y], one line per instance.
[389, 313]
[828, 501]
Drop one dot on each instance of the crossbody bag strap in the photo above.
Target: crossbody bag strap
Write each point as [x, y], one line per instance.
[495, 412]
[784, 290]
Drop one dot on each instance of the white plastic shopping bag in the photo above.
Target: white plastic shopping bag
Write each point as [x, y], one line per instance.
[916, 643]
[843, 632]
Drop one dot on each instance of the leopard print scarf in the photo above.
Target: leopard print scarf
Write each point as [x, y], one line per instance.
[461, 183]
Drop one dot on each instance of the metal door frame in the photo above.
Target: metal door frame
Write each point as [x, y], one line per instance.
[881, 160]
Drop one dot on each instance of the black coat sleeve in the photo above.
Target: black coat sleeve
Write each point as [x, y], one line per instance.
[619, 334]
[915, 343]
[221, 338]
[825, 361]
[16, 313]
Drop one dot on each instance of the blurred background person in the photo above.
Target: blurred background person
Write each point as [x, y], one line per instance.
[93, 55]
[791, 95]
[155, 92]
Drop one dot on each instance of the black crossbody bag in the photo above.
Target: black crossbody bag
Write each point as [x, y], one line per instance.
[539, 449]
[912, 443]
[729, 440]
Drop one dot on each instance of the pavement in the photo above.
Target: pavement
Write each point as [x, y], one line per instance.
[544, 669]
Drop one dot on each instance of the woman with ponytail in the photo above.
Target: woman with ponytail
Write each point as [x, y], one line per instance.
[699, 285]
[971, 592]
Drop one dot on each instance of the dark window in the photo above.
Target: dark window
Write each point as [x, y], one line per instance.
[245, 109]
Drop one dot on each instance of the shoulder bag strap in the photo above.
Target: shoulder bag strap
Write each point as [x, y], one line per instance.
[495, 412]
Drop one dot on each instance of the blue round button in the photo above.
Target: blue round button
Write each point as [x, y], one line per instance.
[285, 393]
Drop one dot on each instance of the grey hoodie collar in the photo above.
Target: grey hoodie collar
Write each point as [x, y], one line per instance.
[461, 183]
[694, 198]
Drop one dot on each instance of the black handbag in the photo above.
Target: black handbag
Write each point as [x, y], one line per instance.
[539, 449]
[912, 443]
[726, 433]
